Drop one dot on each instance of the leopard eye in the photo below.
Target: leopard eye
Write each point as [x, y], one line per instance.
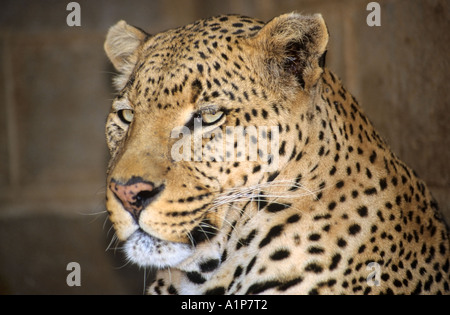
[211, 118]
[126, 115]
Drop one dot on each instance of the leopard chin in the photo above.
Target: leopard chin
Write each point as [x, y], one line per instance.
[148, 251]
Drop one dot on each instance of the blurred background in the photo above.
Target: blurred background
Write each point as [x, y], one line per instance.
[55, 93]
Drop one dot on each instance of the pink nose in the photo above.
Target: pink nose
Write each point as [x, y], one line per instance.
[134, 196]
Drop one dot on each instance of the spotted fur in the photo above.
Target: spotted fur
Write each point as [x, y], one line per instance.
[338, 202]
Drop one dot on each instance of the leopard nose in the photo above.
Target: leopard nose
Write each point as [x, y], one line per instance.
[135, 195]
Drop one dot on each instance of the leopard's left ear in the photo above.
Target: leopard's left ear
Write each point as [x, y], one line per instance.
[121, 46]
[292, 49]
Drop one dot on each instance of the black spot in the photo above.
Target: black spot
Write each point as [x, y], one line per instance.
[257, 168]
[290, 283]
[349, 171]
[332, 205]
[215, 291]
[361, 249]
[314, 237]
[362, 211]
[389, 292]
[172, 290]
[200, 68]
[224, 256]
[446, 266]
[315, 250]
[335, 261]
[203, 232]
[273, 233]
[264, 113]
[195, 277]
[442, 249]
[293, 218]
[321, 135]
[262, 286]
[428, 284]
[261, 202]
[383, 183]
[209, 265]
[272, 176]
[394, 181]
[354, 229]
[370, 191]
[282, 150]
[398, 200]
[250, 265]
[313, 267]
[373, 157]
[321, 150]
[313, 292]
[197, 88]
[393, 249]
[196, 84]
[166, 91]
[237, 272]
[418, 288]
[322, 217]
[280, 254]
[333, 170]
[246, 241]
[297, 185]
[276, 207]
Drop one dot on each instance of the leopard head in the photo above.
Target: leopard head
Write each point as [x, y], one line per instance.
[194, 106]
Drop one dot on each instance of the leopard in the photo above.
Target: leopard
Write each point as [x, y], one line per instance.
[327, 208]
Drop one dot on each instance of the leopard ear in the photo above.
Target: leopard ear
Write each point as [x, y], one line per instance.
[121, 44]
[293, 46]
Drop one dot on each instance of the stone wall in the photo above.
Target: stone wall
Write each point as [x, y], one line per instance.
[55, 94]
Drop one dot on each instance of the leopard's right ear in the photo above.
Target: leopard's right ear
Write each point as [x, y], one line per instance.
[292, 46]
[121, 46]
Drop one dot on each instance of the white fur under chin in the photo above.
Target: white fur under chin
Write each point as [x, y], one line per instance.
[145, 250]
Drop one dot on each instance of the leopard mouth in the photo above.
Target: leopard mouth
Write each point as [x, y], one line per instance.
[148, 251]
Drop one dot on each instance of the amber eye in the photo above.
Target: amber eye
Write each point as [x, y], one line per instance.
[126, 115]
[212, 117]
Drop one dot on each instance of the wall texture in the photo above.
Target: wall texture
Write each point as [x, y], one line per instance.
[55, 94]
